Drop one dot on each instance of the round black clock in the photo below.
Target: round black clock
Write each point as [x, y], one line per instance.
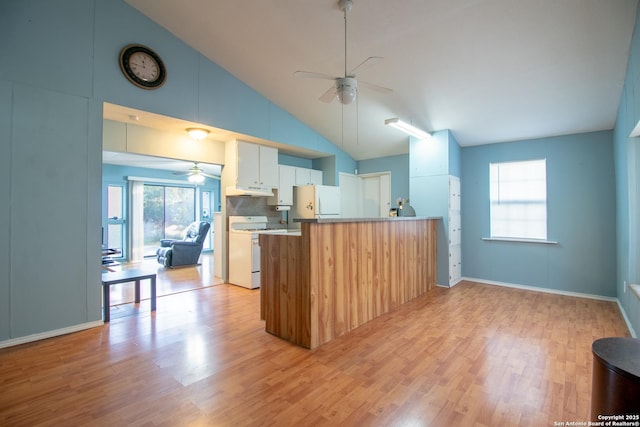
[142, 66]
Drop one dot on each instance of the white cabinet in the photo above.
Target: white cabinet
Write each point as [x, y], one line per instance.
[315, 177]
[286, 180]
[303, 176]
[454, 231]
[257, 165]
[268, 166]
[290, 176]
[306, 176]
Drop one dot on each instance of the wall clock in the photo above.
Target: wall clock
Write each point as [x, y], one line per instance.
[142, 66]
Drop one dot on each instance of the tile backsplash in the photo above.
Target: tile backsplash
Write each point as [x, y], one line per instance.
[239, 205]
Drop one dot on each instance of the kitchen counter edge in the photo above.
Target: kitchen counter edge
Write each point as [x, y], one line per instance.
[338, 220]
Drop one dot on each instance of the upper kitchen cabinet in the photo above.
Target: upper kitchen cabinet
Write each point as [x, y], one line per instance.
[257, 165]
[286, 181]
[308, 176]
[315, 177]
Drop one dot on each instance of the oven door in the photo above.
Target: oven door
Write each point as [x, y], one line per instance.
[255, 262]
[242, 262]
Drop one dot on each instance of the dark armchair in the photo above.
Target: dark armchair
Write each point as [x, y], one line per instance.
[173, 253]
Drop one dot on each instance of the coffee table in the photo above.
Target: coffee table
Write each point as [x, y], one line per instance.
[132, 275]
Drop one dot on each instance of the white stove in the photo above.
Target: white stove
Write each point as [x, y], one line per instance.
[247, 224]
[244, 250]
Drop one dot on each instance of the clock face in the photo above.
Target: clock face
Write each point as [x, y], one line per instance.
[142, 66]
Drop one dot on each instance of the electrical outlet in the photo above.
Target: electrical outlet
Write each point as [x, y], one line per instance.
[625, 286]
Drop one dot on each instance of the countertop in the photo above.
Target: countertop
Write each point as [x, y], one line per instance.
[282, 232]
[391, 218]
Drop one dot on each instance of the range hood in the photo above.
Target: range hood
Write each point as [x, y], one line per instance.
[239, 190]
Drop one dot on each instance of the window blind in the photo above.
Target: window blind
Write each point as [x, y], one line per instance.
[518, 192]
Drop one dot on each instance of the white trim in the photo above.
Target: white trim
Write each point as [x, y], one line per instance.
[451, 285]
[50, 334]
[626, 319]
[545, 290]
[516, 240]
[185, 183]
[373, 174]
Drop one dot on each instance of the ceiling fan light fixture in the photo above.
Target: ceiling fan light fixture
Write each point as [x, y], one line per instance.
[346, 90]
[196, 178]
[407, 128]
[197, 133]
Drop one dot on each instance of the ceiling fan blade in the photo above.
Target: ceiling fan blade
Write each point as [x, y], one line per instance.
[366, 64]
[329, 95]
[312, 75]
[377, 88]
[182, 173]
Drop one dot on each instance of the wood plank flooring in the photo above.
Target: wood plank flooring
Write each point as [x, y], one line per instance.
[473, 355]
[169, 281]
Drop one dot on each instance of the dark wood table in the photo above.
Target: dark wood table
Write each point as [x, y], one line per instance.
[132, 275]
[616, 379]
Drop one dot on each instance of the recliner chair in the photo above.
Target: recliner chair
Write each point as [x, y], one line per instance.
[173, 253]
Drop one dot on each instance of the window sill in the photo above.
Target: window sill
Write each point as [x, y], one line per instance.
[514, 240]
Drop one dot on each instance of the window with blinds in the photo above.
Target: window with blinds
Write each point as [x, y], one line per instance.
[518, 192]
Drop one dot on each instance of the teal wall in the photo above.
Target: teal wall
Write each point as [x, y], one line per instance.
[285, 159]
[581, 216]
[399, 168]
[439, 155]
[58, 64]
[627, 162]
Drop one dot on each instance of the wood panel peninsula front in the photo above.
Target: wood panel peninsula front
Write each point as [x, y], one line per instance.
[338, 274]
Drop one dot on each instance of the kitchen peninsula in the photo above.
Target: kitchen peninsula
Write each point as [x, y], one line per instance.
[338, 274]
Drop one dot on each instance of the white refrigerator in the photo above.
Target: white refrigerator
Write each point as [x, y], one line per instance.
[316, 201]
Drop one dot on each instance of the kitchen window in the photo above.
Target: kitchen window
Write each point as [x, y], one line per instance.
[518, 200]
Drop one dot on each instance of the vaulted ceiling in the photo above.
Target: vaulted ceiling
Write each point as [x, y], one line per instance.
[488, 70]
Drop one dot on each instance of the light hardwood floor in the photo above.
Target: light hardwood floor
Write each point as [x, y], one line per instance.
[473, 355]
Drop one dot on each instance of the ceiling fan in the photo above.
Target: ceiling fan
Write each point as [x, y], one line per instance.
[196, 174]
[345, 89]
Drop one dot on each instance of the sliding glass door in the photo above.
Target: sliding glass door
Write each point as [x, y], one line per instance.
[167, 213]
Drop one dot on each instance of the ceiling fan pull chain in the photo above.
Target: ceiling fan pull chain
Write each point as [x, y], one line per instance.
[342, 127]
[357, 120]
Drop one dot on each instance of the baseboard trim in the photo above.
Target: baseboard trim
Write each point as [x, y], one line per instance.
[50, 334]
[449, 285]
[626, 319]
[538, 289]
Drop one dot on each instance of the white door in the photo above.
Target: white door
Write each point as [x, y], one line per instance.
[376, 195]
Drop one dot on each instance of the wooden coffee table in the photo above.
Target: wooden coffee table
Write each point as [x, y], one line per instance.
[132, 275]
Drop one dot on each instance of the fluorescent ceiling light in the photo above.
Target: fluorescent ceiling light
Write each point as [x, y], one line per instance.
[407, 128]
[197, 133]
